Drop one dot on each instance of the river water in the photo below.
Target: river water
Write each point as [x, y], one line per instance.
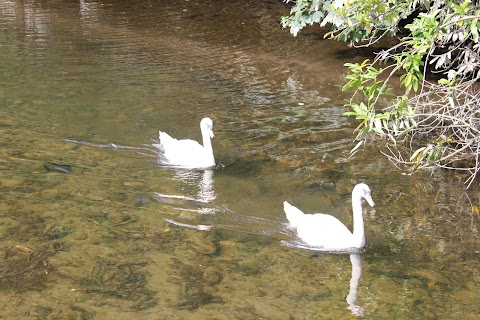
[92, 226]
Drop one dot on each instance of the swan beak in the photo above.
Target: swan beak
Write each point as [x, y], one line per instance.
[369, 199]
[212, 136]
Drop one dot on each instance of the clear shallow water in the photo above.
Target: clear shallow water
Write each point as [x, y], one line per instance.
[92, 226]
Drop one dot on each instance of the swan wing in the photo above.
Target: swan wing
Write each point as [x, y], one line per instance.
[325, 231]
[185, 152]
[171, 144]
[294, 215]
[165, 138]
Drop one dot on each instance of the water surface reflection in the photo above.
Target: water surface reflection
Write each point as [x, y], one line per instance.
[202, 180]
[356, 261]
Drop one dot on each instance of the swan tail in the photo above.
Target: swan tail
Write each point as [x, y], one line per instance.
[294, 215]
[165, 138]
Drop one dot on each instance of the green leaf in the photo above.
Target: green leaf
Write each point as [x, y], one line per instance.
[474, 30]
[378, 126]
[416, 154]
[358, 145]
[426, 4]
[362, 117]
[385, 115]
[444, 81]
[415, 85]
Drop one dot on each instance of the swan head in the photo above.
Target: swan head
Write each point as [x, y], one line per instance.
[206, 125]
[363, 191]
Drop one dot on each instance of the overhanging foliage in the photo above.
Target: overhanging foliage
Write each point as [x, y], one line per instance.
[433, 123]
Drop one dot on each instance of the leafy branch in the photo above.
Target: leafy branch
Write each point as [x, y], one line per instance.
[432, 124]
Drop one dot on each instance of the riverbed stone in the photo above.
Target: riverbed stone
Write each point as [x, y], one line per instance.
[212, 276]
[268, 310]
[385, 289]
[203, 245]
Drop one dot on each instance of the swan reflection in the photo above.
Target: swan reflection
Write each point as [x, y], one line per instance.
[203, 179]
[356, 261]
[206, 192]
[198, 201]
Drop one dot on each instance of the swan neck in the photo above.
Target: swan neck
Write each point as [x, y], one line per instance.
[207, 145]
[207, 142]
[358, 227]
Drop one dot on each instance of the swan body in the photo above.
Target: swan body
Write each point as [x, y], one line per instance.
[326, 231]
[189, 153]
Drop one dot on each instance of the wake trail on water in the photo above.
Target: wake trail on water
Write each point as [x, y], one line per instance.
[114, 146]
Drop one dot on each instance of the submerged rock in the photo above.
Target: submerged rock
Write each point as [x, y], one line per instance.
[203, 245]
[57, 167]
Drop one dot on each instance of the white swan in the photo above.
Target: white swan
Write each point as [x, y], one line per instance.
[326, 231]
[189, 153]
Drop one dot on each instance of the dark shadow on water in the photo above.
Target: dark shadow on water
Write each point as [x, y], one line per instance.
[352, 53]
[244, 168]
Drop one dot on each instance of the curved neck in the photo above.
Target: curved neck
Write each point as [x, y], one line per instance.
[358, 228]
[207, 145]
